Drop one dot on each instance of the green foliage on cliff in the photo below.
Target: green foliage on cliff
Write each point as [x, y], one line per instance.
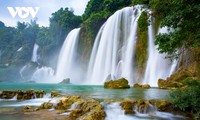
[96, 13]
[183, 17]
[141, 45]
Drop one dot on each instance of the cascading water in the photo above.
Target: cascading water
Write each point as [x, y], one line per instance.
[43, 75]
[114, 50]
[157, 66]
[68, 66]
[114, 44]
[35, 55]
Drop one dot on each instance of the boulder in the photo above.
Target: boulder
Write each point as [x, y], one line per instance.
[128, 104]
[121, 83]
[162, 105]
[144, 86]
[66, 102]
[54, 94]
[84, 109]
[65, 81]
[46, 105]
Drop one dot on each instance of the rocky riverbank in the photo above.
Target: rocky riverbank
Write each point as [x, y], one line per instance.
[77, 107]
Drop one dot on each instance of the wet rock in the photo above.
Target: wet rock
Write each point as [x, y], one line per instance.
[121, 83]
[75, 113]
[66, 102]
[54, 94]
[37, 109]
[27, 109]
[46, 105]
[127, 105]
[85, 109]
[144, 86]
[8, 94]
[92, 110]
[163, 105]
[22, 95]
[143, 106]
[30, 94]
[65, 81]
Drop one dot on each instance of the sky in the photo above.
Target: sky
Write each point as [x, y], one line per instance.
[46, 8]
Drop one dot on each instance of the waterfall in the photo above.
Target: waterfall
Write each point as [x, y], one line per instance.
[114, 45]
[157, 66]
[21, 71]
[34, 55]
[43, 75]
[114, 50]
[67, 66]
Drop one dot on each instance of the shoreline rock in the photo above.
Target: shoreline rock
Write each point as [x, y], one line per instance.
[22, 95]
[180, 79]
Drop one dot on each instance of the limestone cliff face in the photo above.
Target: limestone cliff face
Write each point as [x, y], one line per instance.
[188, 70]
[190, 60]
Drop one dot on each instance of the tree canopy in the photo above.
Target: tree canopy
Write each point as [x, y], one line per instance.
[182, 16]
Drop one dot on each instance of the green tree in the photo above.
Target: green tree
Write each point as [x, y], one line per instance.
[182, 16]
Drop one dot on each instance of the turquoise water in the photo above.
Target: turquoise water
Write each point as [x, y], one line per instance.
[12, 109]
[90, 91]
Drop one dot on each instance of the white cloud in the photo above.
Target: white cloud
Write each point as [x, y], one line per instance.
[46, 9]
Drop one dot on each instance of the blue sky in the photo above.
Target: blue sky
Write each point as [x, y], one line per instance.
[47, 7]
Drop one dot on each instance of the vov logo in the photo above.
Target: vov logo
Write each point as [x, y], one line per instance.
[23, 12]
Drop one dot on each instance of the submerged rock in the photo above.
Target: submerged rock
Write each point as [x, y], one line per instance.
[145, 86]
[121, 83]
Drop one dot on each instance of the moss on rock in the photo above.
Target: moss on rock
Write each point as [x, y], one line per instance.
[144, 86]
[142, 44]
[177, 80]
[54, 94]
[128, 104]
[121, 83]
[22, 95]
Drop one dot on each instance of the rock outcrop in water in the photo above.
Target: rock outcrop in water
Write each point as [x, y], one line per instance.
[145, 86]
[76, 107]
[65, 81]
[21, 95]
[121, 83]
[144, 106]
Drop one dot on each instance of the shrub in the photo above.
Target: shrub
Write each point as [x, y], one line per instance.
[187, 99]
